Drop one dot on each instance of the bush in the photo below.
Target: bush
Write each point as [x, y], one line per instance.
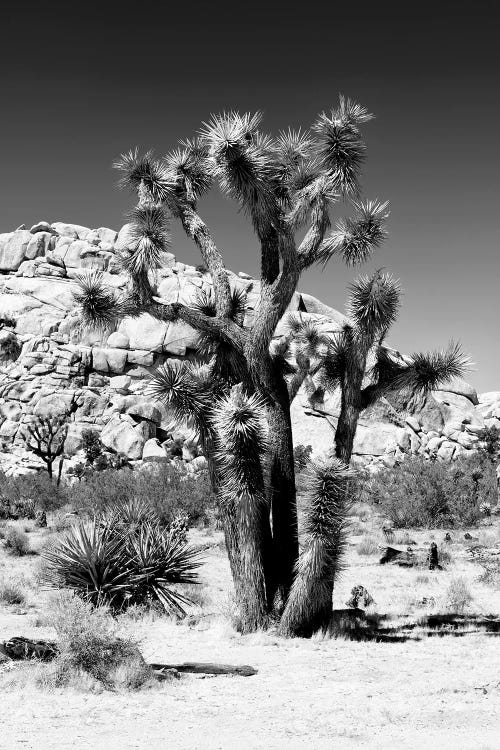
[301, 456]
[16, 542]
[21, 496]
[122, 559]
[11, 593]
[168, 490]
[434, 494]
[89, 644]
[458, 597]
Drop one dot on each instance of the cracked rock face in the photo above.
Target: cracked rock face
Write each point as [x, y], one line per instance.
[49, 366]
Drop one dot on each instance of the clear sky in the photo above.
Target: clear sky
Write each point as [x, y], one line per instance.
[82, 82]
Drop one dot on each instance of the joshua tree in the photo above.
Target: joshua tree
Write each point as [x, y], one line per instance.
[287, 185]
[45, 437]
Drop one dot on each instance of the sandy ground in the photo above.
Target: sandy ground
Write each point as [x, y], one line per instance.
[322, 693]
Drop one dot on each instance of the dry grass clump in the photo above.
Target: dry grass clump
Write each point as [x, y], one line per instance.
[89, 644]
[369, 545]
[93, 655]
[11, 593]
[458, 597]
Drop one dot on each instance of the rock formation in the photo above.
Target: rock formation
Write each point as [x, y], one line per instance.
[47, 362]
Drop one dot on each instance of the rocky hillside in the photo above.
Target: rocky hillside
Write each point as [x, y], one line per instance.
[49, 366]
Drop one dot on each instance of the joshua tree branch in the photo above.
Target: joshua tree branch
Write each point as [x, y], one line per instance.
[198, 231]
[223, 329]
[320, 224]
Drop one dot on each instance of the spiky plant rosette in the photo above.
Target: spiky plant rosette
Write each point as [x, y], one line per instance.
[89, 558]
[148, 239]
[191, 169]
[239, 422]
[420, 372]
[183, 387]
[108, 561]
[97, 302]
[245, 163]
[354, 239]
[340, 146]
[226, 363]
[374, 302]
[144, 173]
[160, 559]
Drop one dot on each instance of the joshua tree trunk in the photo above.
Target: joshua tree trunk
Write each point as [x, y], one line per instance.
[350, 409]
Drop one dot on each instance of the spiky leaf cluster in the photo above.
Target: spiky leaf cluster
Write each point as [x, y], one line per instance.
[341, 149]
[189, 390]
[239, 422]
[191, 169]
[226, 363]
[421, 372]
[374, 303]
[149, 238]
[106, 561]
[355, 239]
[245, 164]
[144, 171]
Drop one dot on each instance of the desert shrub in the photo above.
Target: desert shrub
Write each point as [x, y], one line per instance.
[22, 495]
[7, 320]
[489, 442]
[89, 643]
[16, 542]
[458, 597]
[11, 592]
[168, 490]
[302, 456]
[121, 560]
[434, 494]
[92, 446]
[369, 545]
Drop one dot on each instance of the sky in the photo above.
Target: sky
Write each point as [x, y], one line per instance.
[81, 83]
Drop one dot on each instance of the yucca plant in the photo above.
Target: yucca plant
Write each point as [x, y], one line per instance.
[111, 561]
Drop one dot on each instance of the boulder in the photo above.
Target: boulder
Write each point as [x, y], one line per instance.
[179, 337]
[13, 250]
[460, 388]
[310, 304]
[120, 383]
[11, 410]
[71, 230]
[106, 235]
[55, 404]
[109, 360]
[39, 245]
[153, 451]
[144, 332]
[118, 340]
[142, 409]
[123, 239]
[122, 437]
[377, 441]
[430, 416]
[43, 226]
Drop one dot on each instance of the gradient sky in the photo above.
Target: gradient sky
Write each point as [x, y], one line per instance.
[82, 82]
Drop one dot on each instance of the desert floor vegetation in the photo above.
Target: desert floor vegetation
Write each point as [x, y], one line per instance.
[360, 691]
